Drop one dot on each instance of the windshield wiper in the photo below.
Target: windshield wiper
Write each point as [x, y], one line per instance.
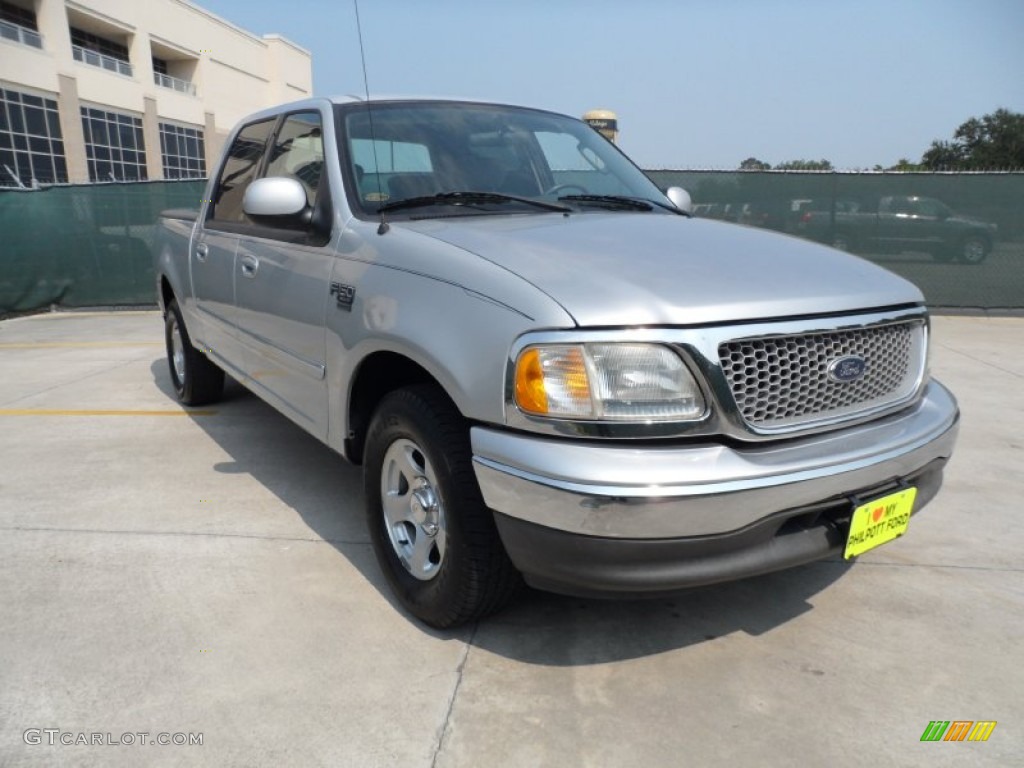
[611, 201]
[469, 198]
[638, 203]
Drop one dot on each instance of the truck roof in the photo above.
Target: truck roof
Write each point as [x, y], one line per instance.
[317, 101]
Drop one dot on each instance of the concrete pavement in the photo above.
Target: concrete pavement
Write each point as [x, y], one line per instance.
[165, 573]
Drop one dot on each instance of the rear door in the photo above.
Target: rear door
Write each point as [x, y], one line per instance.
[216, 242]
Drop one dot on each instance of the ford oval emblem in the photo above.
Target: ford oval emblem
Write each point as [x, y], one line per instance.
[847, 369]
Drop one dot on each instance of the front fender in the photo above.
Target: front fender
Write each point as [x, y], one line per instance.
[461, 338]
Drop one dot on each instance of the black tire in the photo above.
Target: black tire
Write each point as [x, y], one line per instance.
[843, 241]
[973, 250]
[455, 568]
[195, 379]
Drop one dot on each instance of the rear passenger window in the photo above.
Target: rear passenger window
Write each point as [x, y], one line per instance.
[239, 171]
[298, 152]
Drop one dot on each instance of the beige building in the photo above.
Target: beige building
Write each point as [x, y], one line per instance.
[101, 90]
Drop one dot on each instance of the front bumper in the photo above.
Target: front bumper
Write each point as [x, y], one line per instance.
[589, 518]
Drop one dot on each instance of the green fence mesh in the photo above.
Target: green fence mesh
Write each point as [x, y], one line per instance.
[960, 237]
[87, 245]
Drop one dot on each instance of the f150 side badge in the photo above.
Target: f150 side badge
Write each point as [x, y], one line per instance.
[344, 295]
[847, 369]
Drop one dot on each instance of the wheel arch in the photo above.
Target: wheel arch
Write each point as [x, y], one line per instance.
[377, 375]
[985, 237]
[167, 294]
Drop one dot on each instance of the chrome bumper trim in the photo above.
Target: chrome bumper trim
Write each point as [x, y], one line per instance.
[702, 489]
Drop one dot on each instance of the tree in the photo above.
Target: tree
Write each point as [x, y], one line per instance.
[903, 164]
[753, 164]
[804, 165]
[994, 141]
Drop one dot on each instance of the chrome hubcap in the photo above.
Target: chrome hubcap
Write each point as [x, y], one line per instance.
[974, 251]
[177, 353]
[413, 512]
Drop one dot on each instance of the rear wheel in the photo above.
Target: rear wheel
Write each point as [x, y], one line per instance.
[196, 380]
[434, 538]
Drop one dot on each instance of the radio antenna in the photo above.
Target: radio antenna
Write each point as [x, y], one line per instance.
[384, 226]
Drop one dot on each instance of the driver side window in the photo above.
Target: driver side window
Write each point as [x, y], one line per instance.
[298, 152]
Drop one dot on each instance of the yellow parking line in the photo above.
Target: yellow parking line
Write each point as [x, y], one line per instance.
[73, 315]
[54, 344]
[82, 412]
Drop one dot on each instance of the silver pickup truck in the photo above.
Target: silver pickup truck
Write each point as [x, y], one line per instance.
[547, 368]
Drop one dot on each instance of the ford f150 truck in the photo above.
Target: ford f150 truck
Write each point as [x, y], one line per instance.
[549, 370]
[897, 224]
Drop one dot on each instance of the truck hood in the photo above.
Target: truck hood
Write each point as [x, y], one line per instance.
[612, 269]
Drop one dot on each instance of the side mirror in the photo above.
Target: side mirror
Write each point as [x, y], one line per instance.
[680, 198]
[275, 196]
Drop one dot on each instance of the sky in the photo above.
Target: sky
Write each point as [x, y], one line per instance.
[695, 83]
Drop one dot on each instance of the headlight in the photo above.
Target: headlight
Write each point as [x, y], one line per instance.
[612, 382]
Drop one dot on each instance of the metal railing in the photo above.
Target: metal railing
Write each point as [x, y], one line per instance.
[20, 34]
[174, 83]
[101, 60]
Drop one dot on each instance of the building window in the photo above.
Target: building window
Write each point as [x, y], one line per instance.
[114, 147]
[162, 77]
[31, 143]
[92, 42]
[183, 150]
[100, 52]
[19, 24]
[15, 14]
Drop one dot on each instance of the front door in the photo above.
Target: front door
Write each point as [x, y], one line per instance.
[282, 286]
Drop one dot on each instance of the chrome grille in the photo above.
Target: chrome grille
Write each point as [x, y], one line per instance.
[780, 381]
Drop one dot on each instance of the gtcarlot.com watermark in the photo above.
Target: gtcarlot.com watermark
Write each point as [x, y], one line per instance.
[56, 737]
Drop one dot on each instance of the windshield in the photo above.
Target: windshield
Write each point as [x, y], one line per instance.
[423, 149]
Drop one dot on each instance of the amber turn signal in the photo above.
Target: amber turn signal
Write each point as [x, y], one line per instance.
[530, 395]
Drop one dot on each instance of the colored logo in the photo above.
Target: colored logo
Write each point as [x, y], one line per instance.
[846, 369]
[958, 730]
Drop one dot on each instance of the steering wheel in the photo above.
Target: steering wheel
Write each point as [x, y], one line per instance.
[561, 187]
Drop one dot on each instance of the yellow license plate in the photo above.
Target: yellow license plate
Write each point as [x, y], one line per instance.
[879, 521]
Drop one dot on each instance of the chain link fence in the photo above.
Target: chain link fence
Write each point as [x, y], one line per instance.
[959, 236]
[83, 245]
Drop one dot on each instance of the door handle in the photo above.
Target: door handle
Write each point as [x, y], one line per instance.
[201, 251]
[249, 266]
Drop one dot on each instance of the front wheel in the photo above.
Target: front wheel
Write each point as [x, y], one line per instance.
[973, 250]
[843, 242]
[433, 536]
[196, 380]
